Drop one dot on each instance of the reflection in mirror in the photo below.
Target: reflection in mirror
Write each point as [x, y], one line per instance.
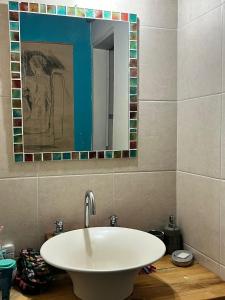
[74, 82]
[75, 79]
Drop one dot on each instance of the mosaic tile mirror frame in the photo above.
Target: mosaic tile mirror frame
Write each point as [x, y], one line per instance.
[20, 155]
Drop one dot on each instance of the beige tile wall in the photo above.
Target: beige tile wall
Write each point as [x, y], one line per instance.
[141, 191]
[200, 129]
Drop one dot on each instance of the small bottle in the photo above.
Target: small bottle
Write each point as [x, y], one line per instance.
[172, 236]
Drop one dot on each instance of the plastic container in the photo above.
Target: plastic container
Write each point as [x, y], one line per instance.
[7, 272]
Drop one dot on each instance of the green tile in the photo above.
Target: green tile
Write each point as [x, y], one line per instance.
[80, 12]
[117, 154]
[66, 155]
[83, 155]
[18, 139]
[109, 154]
[133, 136]
[17, 113]
[133, 130]
[57, 156]
[133, 35]
[133, 90]
[43, 8]
[15, 67]
[133, 81]
[14, 26]
[107, 15]
[71, 11]
[61, 10]
[90, 13]
[133, 18]
[133, 153]
[18, 157]
[133, 45]
[133, 53]
[16, 94]
[133, 123]
[37, 157]
[13, 5]
[15, 46]
[17, 131]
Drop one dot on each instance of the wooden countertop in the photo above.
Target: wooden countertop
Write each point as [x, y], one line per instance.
[167, 283]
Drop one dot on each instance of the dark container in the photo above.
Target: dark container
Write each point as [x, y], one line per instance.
[158, 233]
[172, 236]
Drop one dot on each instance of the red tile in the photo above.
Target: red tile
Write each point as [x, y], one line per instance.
[24, 6]
[16, 84]
[124, 16]
[29, 157]
[98, 14]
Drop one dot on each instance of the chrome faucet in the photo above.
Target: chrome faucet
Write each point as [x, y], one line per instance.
[89, 207]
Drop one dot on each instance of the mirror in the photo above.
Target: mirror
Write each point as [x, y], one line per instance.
[74, 82]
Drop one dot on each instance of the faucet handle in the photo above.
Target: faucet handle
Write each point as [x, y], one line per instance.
[113, 220]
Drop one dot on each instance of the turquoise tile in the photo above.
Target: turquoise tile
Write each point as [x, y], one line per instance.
[57, 156]
[15, 46]
[133, 90]
[17, 130]
[66, 155]
[18, 157]
[133, 18]
[133, 81]
[133, 153]
[109, 154]
[90, 13]
[61, 10]
[107, 15]
[13, 5]
[17, 113]
[14, 26]
[83, 155]
[133, 53]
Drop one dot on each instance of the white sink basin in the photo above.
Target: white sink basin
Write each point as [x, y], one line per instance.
[103, 261]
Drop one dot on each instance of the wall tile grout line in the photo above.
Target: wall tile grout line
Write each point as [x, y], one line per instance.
[198, 17]
[201, 175]
[199, 97]
[87, 174]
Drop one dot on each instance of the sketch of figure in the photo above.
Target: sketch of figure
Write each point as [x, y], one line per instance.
[45, 113]
[37, 95]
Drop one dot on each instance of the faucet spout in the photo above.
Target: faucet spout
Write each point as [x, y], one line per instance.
[89, 207]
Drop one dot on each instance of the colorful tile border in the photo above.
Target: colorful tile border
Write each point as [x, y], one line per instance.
[14, 8]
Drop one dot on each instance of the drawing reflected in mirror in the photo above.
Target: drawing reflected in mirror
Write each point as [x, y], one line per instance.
[48, 96]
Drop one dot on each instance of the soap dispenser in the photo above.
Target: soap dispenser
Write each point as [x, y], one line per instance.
[172, 236]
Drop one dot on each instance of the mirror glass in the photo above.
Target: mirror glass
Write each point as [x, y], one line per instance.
[76, 80]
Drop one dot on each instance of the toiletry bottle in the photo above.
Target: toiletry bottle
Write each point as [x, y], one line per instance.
[172, 236]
